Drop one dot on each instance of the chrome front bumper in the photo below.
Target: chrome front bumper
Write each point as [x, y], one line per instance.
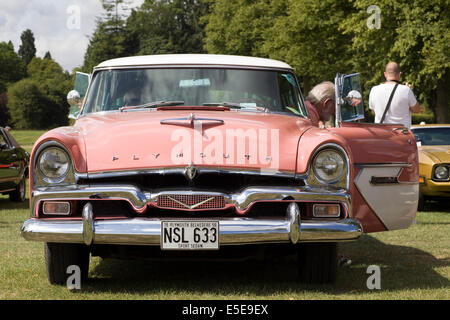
[232, 231]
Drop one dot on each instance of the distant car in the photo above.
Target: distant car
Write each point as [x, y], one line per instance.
[174, 154]
[434, 161]
[13, 167]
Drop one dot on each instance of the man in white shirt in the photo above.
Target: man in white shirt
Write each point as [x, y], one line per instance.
[403, 102]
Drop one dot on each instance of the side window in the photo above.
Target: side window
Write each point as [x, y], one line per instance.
[289, 95]
[349, 103]
[4, 144]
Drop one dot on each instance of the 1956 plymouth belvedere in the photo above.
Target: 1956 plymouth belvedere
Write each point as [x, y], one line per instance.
[206, 156]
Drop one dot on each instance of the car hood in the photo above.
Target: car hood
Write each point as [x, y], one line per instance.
[437, 154]
[159, 139]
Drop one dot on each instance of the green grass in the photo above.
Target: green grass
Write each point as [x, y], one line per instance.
[415, 264]
[26, 138]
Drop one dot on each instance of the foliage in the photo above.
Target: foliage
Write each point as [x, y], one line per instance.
[156, 27]
[167, 26]
[26, 104]
[12, 68]
[39, 102]
[27, 50]
[109, 38]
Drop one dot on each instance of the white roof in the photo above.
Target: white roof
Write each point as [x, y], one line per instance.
[194, 59]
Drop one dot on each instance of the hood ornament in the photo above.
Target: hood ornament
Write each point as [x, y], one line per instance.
[190, 171]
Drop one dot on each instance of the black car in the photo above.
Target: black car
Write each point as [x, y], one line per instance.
[13, 167]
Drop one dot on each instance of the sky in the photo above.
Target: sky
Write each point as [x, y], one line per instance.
[62, 27]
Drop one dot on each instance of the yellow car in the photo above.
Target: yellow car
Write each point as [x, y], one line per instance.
[433, 141]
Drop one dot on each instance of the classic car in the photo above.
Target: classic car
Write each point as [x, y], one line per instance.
[214, 156]
[13, 167]
[433, 142]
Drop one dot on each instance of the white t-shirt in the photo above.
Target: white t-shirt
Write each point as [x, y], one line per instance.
[401, 102]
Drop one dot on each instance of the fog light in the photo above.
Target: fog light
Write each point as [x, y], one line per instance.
[326, 210]
[56, 208]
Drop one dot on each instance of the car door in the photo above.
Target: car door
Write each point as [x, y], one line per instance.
[385, 182]
[76, 96]
[9, 163]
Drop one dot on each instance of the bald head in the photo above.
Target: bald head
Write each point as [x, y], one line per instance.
[392, 71]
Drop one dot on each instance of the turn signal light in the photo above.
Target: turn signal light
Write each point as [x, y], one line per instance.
[56, 208]
[326, 210]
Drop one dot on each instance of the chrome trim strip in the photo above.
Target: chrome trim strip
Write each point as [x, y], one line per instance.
[242, 201]
[180, 170]
[387, 164]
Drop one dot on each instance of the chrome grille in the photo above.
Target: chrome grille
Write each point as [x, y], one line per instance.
[191, 201]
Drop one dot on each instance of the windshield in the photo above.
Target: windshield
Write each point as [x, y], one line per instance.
[254, 90]
[432, 136]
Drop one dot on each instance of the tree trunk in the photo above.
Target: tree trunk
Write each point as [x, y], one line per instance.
[442, 108]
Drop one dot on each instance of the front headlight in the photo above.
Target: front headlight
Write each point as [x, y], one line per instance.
[53, 163]
[329, 165]
[441, 173]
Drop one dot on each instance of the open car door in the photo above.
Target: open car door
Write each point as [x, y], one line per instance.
[76, 96]
[385, 186]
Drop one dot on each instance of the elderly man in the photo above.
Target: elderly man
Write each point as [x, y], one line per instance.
[320, 103]
[393, 102]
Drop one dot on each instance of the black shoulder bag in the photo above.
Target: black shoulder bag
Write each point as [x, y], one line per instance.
[389, 103]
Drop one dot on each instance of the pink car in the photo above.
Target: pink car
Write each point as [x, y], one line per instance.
[206, 156]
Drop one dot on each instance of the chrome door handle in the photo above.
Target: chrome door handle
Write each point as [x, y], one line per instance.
[401, 129]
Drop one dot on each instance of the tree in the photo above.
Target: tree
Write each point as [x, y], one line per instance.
[167, 26]
[12, 68]
[54, 83]
[302, 33]
[27, 105]
[27, 50]
[48, 55]
[109, 38]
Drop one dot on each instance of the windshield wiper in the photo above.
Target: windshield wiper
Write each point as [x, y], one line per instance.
[152, 105]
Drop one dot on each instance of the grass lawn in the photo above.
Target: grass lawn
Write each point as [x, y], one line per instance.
[415, 264]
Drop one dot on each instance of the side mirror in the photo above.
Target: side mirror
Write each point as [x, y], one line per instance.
[74, 100]
[349, 103]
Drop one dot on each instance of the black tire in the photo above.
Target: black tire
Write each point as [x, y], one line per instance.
[19, 194]
[421, 202]
[317, 262]
[59, 256]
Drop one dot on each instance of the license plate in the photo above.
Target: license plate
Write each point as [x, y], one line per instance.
[190, 235]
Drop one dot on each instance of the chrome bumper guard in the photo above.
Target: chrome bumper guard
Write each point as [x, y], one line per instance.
[232, 231]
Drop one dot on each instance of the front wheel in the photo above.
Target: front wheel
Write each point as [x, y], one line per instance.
[317, 262]
[60, 256]
[18, 195]
[421, 202]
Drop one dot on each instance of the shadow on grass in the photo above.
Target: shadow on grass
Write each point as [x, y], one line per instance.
[442, 205]
[402, 268]
[6, 204]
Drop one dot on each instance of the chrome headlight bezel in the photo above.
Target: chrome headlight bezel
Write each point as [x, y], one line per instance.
[39, 175]
[341, 178]
[439, 177]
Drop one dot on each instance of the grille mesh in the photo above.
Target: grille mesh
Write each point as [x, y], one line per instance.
[191, 202]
